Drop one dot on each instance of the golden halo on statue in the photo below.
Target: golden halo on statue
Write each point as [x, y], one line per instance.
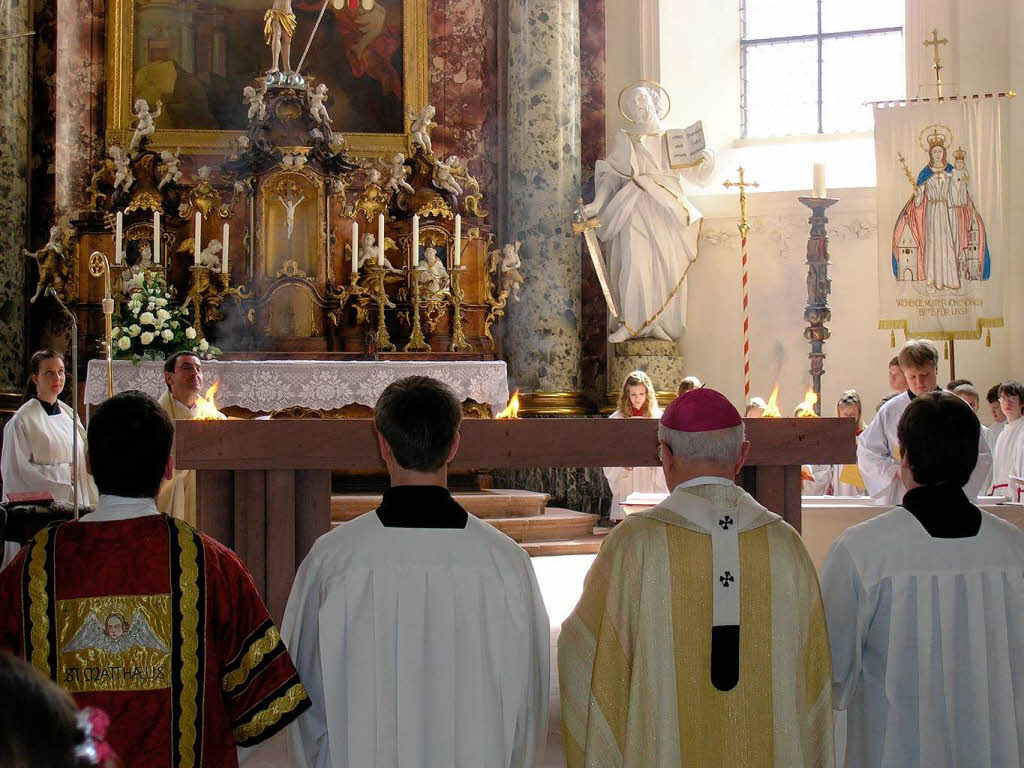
[933, 135]
[667, 101]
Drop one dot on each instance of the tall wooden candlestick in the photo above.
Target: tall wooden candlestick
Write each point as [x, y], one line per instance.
[817, 312]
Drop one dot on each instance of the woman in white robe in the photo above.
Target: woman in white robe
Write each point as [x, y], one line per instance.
[37, 442]
[840, 479]
[636, 400]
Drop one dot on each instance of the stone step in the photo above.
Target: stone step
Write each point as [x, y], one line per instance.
[554, 525]
[496, 503]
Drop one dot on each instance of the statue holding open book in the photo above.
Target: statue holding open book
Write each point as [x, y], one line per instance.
[648, 225]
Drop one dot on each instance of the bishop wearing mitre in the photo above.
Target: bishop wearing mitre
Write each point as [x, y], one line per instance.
[700, 637]
[183, 374]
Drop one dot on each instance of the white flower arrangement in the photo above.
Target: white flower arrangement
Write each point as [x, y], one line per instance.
[151, 326]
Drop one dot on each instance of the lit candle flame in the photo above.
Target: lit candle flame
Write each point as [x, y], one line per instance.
[771, 410]
[805, 410]
[206, 407]
[511, 410]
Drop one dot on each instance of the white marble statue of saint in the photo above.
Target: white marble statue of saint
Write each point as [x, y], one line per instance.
[434, 277]
[649, 226]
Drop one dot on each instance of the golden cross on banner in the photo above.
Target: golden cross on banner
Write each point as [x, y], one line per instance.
[742, 184]
[937, 66]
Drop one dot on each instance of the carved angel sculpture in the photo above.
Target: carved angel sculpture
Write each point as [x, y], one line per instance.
[421, 125]
[54, 269]
[172, 161]
[444, 178]
[123, 177]
[147, 121]
[398, 173]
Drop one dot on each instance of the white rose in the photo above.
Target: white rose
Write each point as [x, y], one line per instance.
[161, 302]
[146, 318]
[163, 315]
[134, 330]
[146, 337]
[190, 332]
[204, 345]
[167, 335]
[124, 343]
[115, 332]
[173, 323]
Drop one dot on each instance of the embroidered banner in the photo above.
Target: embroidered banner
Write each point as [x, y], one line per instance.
[943, 197]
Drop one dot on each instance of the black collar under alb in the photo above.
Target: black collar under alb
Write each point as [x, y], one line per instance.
[52, 409]
[943, 511]
[420, 506]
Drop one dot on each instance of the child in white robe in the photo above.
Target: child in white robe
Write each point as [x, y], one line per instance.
[925, 611]
[840, 479]
[637, 399]
[37, 443]
[1008, 458]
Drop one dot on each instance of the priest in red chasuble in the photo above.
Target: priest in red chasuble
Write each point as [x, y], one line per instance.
[142, 616]
[700, 637]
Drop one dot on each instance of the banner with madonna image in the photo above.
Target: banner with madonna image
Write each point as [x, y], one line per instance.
[943, 201]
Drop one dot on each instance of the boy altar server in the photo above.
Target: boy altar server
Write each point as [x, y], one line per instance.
[877, 446]
[700, 637]
[419, 630]
[142, 616]
[1008, 449]
[925, 607]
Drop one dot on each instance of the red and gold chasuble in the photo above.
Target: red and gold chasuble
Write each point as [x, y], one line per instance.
[161, 627]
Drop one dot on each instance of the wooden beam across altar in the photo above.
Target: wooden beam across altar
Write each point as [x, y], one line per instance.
[264, 486]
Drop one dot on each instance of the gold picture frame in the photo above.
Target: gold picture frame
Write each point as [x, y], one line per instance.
[120, 97]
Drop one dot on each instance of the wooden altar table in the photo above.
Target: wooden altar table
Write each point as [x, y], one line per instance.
[264, 487]
[262, 386]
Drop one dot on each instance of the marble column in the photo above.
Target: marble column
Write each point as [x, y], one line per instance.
[15, 88]
[543, 343]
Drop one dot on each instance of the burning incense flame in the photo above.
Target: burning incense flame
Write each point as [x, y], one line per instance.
[805, 410]
[206, 408]
[512, 409]
[771, 410]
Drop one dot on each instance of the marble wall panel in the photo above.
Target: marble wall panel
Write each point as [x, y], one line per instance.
[44, 120]
[15, 93]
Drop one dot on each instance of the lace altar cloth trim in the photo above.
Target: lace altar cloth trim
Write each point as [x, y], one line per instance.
[270, 385]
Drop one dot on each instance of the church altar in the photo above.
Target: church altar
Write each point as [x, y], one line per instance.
[264, 487]
[263, 386]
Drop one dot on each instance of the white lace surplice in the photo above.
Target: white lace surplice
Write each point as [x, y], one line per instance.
[927, 639]
[419, 647]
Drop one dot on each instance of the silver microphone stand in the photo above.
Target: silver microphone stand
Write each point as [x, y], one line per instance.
[74, 398]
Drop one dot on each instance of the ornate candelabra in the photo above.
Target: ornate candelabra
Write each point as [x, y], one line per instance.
[417, 343]
[459, 342]
[99, 266]
[207, 289]
[817, 312]
[375, 275]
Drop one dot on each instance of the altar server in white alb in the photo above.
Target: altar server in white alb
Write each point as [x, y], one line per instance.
[419, 631]
[878, 447]
[38, 441]
[840, 479]
[925, 608]
[1008, 461]
[700, 637]
[636, 400]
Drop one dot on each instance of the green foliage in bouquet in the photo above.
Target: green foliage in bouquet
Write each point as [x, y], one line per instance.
[151, 326]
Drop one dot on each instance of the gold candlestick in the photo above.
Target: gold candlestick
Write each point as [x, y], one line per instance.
[382, 340]
[459, 342]
[99, 266]
[417, 343]
[207, 289]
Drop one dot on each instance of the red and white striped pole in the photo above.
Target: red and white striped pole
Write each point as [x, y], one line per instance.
[744, 228]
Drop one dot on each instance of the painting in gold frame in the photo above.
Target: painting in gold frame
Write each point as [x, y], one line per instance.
[197, 56]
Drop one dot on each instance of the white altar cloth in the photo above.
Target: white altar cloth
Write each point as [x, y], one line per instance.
[270, 385]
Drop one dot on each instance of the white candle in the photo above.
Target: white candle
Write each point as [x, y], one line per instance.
[416, 240]
[198, 239]
[224, 251]
[156, 237]
[117, 238]
[380, 240]
[457, 259]
[819, 180]
[355, 247]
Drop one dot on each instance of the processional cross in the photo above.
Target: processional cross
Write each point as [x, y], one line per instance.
[744, 228]
[937, 66]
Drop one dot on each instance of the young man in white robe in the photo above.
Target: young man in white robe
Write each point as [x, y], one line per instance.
[37, 444]
[998, 417]
[419, 630]
[925, 608]
[1008, 461]
[700, 637]
[877, 446]
[183, 375]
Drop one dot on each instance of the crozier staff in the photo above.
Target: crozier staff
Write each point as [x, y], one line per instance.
[183, 374]
[38, 439]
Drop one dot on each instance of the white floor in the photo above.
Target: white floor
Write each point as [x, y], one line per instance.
[561, 583]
